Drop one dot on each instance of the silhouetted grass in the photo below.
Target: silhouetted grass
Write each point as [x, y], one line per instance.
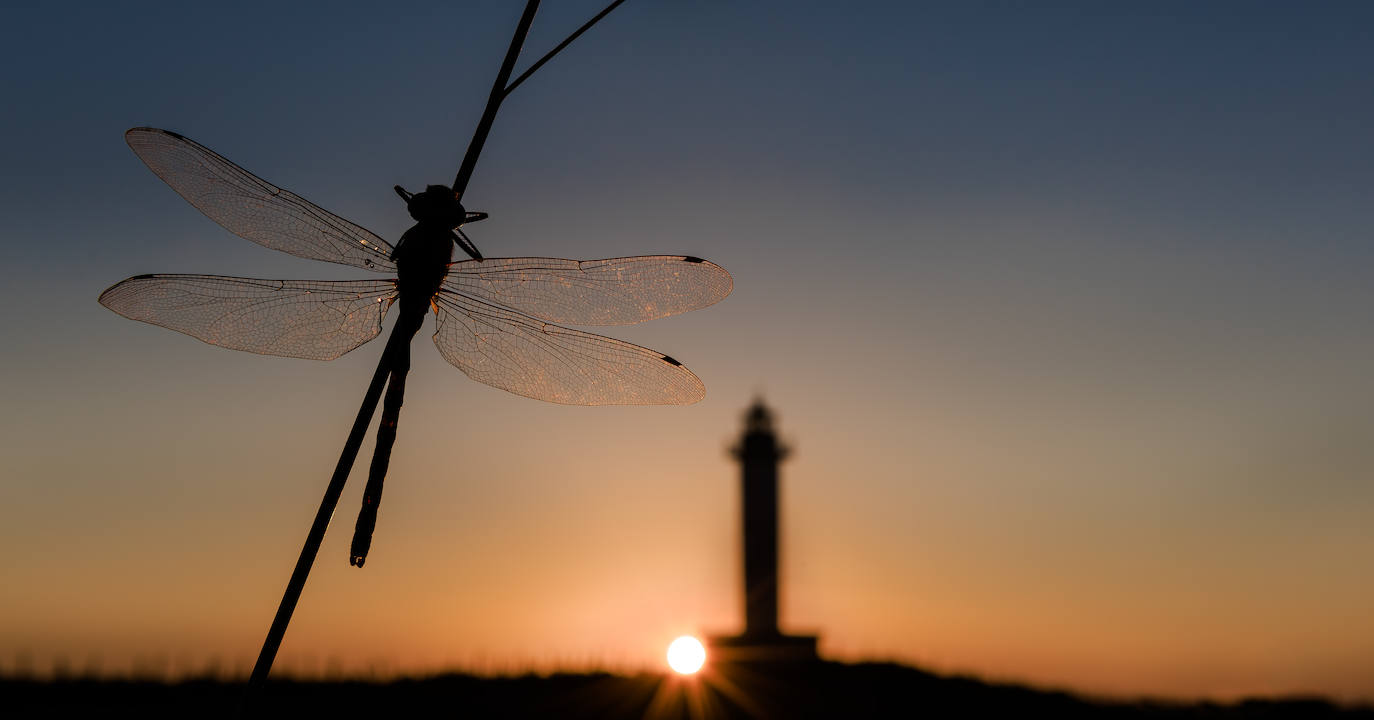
[829, 690]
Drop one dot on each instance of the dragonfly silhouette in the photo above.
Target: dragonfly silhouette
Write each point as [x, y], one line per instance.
[497, 318]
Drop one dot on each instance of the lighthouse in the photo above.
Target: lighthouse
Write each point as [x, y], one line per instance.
[759, 453]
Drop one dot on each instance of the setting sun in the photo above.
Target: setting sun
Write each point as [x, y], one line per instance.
[686, 655]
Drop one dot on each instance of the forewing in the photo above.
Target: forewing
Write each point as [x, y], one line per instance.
[616, 291]
[530, 357]
[293, 318]
[253, 208]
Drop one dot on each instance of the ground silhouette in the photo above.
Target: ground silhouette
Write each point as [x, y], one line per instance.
[799, 690]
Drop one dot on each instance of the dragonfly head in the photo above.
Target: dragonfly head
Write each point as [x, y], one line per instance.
[437, 205]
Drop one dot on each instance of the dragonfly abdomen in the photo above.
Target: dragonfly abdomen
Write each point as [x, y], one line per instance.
[407, 325]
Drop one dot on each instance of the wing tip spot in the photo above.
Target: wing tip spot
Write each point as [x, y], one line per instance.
[692, 259]
[671, 361]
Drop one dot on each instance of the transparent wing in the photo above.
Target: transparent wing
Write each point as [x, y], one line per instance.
[253, 208]
[308, 319]
[617, 291]
[530, 357]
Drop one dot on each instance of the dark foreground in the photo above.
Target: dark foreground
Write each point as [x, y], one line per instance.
[820, 690]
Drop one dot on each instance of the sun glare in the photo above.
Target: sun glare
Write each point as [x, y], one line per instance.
[686, 655]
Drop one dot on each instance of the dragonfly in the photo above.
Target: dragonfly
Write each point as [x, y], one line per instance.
[501, 320]
[496, 318]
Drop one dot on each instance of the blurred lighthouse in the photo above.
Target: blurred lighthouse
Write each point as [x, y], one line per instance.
[759, 453]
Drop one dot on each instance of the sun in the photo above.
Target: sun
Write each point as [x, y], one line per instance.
[686, 655]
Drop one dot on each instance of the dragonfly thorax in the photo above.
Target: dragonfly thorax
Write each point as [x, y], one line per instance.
[437, 205]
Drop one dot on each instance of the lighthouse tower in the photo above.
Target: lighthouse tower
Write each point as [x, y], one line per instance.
[759, 453]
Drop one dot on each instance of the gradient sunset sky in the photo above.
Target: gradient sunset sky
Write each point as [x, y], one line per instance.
[1064, 307]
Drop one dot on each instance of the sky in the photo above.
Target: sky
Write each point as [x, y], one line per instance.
[1063, 308]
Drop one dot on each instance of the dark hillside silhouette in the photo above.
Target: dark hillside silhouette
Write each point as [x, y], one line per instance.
[798, 690]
